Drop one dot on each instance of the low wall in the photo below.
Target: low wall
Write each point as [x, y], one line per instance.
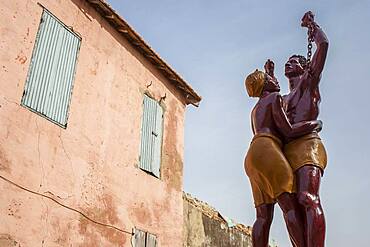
[206, 227]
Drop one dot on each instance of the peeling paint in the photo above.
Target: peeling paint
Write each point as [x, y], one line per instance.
[92, 232]
[21, 58]
[7, 240]
[63, 233]
[173, 161]
[4, 161]
[142, 214]
[14, 208]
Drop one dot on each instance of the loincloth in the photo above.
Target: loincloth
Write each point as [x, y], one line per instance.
[306, 150]
[268, 170]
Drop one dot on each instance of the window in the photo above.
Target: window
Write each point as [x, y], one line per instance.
[151, 136]
[50, 77]
[143, 239]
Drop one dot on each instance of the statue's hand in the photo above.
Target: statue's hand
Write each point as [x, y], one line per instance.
[318, 124]
[269, 67]
[308, 19]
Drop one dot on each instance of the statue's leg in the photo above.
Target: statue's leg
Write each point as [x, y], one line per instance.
[293, 218]
[308, 185]
[261, 227]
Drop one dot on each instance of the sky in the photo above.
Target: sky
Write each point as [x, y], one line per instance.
[213, 45]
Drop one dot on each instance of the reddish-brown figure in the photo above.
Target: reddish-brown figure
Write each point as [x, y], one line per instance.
[268, 117]
[302, 104]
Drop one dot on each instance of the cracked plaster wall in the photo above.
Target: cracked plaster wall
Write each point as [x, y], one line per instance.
[92, 165]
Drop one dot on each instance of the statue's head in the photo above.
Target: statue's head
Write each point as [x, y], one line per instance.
[258, 82]
[295, 66]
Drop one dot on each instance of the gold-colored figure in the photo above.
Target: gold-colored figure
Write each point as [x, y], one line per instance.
[306, 150]
[268, 170]
[255, 82]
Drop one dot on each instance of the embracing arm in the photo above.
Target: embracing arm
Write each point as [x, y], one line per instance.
[322, 45]
[285, 128]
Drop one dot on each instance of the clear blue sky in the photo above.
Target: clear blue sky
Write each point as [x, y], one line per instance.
[214, 45]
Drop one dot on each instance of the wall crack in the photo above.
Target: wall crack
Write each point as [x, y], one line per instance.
[65, 206]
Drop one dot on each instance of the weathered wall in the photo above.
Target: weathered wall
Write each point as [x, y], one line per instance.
[92, 165]
[204, 227]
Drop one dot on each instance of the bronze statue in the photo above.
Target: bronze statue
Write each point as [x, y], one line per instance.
[270, 174]
[286, 147]
[307, 155]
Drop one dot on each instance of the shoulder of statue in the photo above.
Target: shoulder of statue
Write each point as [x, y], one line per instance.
[277, 94]
[275, 98]
[269, 99]
[309, 80]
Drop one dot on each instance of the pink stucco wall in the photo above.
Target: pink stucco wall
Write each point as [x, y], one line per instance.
[92, 165]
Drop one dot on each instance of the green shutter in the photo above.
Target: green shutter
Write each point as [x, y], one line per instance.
[50, 78]
[151, 136]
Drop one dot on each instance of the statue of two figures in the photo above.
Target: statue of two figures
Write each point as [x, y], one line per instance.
[286, 158]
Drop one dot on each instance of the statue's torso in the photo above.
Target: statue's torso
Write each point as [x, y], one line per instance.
[261, 116]
[302, 103]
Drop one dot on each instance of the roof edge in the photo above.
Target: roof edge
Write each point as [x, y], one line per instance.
[118, 23]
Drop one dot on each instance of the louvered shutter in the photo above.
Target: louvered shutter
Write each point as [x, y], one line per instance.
[138, 239]
[143, 239]
[151, 240]
[151, 136]
[50, 78]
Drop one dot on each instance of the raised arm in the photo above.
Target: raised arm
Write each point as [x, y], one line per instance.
[322, 45]
[285, 128]
[269, 68]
